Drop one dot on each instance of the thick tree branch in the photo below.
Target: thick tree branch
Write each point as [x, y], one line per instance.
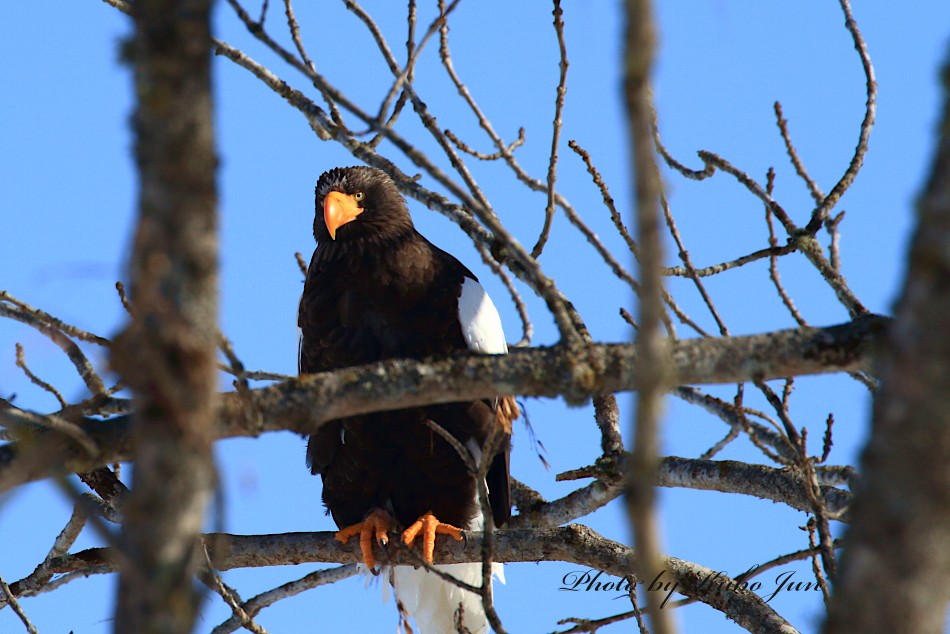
[301, 405]
[639, 44]
[728, 476]
[167, 353]
[901, 528]
[575, 544]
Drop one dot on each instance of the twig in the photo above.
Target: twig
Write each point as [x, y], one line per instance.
[230, 596]
[592, 625]
[237, 369]
[731, 435]
[39, 580]
[294, 29]
[605, 192]
[38, 319]
[254, 605]
[301, 263]
[826, 442]
[815, 567]
[482, 156]
[462, 452]
[834, 247]
[557, 125]
[488, 547]
[690, 269]
[820, 517]
[803, 241]
[715, 269]
[15, 606]
[410, 66]
[773, 263]
[697, 175]
[59, 333]
[402, 76]
[21, 363]
[124, 298]
[527, 328]
[627, 317]
[782, 123]
[857, 160]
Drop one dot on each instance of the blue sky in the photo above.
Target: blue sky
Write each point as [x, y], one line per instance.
[68, 202]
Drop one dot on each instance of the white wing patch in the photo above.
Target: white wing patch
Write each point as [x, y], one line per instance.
[299, 346]
[481, 325]
[299, 334]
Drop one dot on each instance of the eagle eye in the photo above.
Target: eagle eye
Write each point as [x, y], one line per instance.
[359, 196]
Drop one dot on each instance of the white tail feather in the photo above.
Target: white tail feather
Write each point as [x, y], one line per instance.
[434, 603]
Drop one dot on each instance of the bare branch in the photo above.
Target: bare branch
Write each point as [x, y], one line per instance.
[254, 605]
[782, 123]
[303, 404]
[35, 380]
[574, 544]
[901, 519]
[639, 42]
[556, 135]
[59, 333]
[213, 580]
[15, 606]
[857, 160]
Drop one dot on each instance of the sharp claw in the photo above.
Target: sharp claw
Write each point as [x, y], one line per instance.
[429, 526]
[375, 525]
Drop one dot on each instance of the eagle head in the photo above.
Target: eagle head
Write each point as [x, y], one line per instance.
[354, 203]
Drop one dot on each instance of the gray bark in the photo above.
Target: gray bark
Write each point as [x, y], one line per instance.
[896, 567]
[167, 354]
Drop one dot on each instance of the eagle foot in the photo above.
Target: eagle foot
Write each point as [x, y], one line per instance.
[376, 524]
[429, 526]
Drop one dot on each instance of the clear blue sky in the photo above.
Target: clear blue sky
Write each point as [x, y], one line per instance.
[68, 201]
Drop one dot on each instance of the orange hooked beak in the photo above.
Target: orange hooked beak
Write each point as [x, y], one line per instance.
[339, 209]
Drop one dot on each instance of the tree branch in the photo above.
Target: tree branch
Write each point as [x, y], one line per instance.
[301, 405]
[167, 353]
[901, 518]
[574, 543]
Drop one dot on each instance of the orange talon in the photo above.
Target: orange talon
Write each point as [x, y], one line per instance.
[430, 527]
[377, 524]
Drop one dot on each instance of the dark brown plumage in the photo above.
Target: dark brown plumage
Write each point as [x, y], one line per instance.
[377, 289]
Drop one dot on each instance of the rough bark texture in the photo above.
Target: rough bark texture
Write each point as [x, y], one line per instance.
[897, 562]
[574, 543]
[641, 479]
[167, 354]
[301, 405]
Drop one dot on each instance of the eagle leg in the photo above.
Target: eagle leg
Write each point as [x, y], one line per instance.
[430, 526]
[376, 524]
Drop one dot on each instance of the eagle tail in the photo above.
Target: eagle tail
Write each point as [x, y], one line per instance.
[438, 606]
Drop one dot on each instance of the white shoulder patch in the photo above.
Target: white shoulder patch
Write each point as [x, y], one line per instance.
[481, 325]
[299, 347]
[299, 335]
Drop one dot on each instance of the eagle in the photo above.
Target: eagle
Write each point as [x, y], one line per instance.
[377, 289]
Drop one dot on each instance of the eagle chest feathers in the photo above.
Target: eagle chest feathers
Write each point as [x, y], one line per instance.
[407, 301]
[376, 289]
